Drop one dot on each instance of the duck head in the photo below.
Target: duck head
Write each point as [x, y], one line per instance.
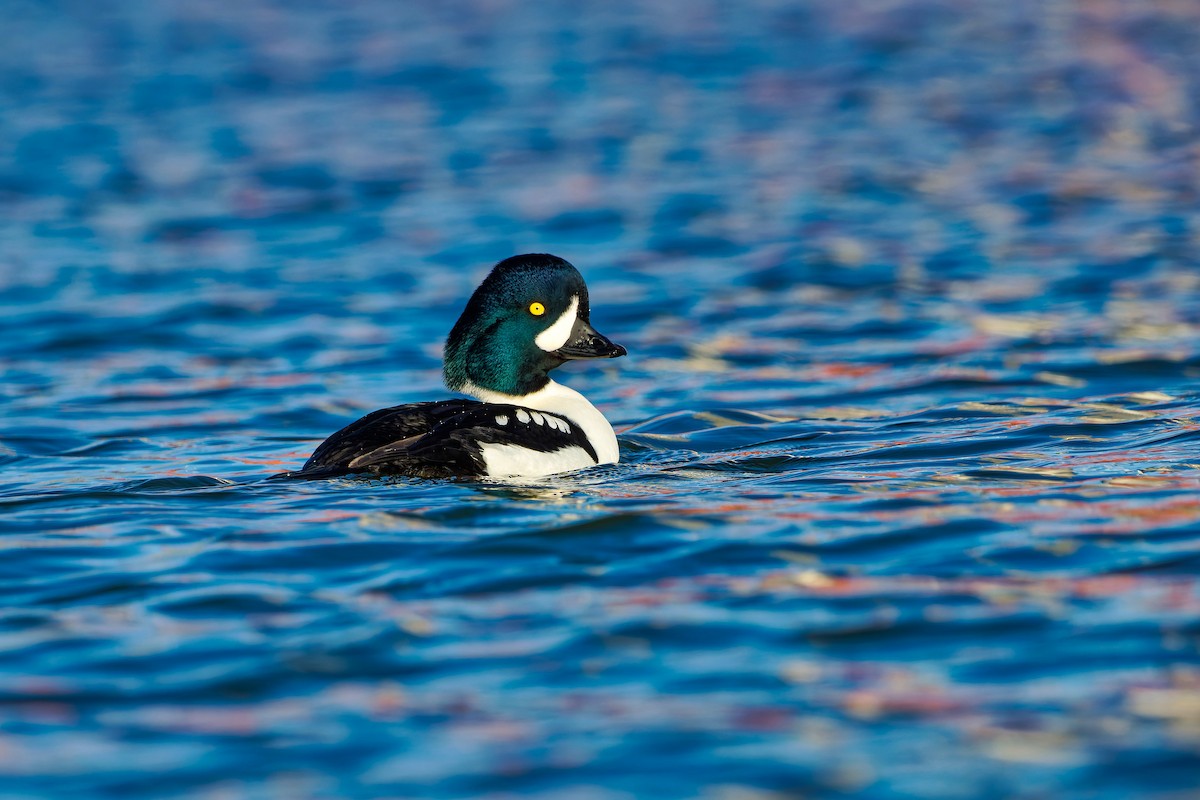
[529, 315]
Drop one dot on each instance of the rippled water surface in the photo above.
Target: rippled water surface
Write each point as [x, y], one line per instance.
[910, 427]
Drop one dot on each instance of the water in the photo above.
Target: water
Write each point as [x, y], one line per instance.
[907, 504]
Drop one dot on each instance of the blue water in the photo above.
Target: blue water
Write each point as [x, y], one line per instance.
[908, 501]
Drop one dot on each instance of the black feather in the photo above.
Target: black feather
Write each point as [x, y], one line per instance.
[438, 439]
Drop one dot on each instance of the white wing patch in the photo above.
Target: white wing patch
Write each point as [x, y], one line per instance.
[514, 461]
[538, 417]
[557, 334]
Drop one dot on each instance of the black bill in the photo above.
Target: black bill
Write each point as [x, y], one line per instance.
[587, 342]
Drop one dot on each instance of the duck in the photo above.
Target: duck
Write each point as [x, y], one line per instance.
[529, 316]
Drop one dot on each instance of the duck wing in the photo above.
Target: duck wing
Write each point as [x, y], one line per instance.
[480, 440]
[377, 430]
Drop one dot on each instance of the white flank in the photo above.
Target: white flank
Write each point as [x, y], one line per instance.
[514, 461]
[564, 402]
[557, 334]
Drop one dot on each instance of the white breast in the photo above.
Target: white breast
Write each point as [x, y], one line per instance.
[573, 407]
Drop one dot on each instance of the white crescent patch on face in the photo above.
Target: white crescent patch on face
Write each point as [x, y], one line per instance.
[557, 334]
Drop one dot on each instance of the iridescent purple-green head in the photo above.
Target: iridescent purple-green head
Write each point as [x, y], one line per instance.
[529, 315]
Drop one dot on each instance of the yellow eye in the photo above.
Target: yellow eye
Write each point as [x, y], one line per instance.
[537, 309]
